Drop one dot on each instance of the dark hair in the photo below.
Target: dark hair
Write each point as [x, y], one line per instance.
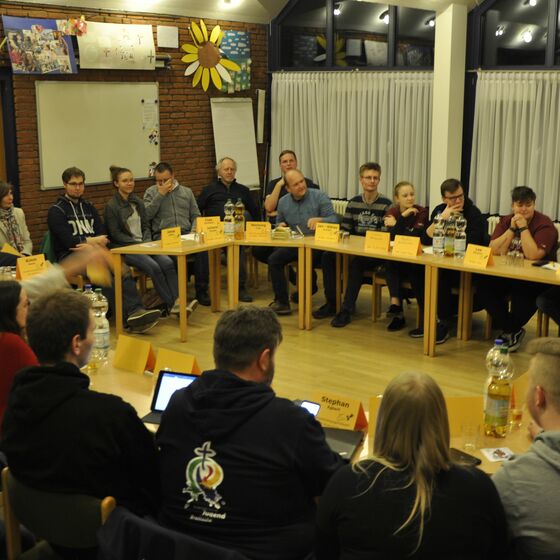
[450, 185]
[10, 292]
[5, 189]
[53, 321]
[67, 174]
[117, 171]
[370, 166]
[162, 167]
[284, 152]
[523, 194]
[242, 334]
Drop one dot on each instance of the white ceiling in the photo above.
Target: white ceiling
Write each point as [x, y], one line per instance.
[251, 11]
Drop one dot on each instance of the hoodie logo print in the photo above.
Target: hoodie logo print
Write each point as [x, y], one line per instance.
[203, 476]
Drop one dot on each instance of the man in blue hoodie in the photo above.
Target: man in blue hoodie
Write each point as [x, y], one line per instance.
[239, 466]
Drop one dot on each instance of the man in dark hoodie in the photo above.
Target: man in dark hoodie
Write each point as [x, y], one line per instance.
[74, 222]
[239, 466]
[58, 435]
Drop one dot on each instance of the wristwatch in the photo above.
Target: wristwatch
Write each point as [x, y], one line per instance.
[522, 229]
[512, 229]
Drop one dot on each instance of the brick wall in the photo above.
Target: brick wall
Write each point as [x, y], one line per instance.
[187, 140]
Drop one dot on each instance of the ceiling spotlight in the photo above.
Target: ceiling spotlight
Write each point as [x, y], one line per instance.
[431, 22]
[500, 30]
[337, 11]
[532, 3]
[384, 17]
[527, 36]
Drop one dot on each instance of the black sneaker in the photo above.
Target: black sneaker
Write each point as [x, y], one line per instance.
[513, 340]
[394, 311]
[244, 296]
[280, 308]
[326, 310]
[396, 324]
[341, 319]
[295, 296]
[442, 333]
[142, 328]
[203, 298]
[142, 317]
[416, 333]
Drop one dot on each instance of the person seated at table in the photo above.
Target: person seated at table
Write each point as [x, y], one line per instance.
[410, 500]
[13, 229]
[364, 212]
[212, 200]
[127, 224]
[302, 210]
[538, 238]
[75, 223]
[404, 218]
[170, 204]
[454, 201]
[529, 484]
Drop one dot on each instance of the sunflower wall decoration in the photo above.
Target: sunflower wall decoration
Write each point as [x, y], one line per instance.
[204, 57]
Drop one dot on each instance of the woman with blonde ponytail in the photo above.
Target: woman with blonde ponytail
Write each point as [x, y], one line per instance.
[410, 500]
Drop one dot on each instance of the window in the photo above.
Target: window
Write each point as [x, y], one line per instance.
[415, 37]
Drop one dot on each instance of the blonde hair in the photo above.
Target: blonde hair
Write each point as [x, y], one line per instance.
[412, 436]
[400, 186]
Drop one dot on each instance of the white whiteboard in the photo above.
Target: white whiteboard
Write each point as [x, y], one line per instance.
[93, 125]
[234, 136]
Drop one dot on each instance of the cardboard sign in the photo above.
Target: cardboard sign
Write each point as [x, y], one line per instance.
[340, 412]
[176, 361]
[99, 275]
[327, 232]
[258, 231]
[27, 267]
[10, 250]
[171, 238]
[407, 246]
[478, 256]
[377, 241]
[203, 221]
[213, 231]
[133, 355]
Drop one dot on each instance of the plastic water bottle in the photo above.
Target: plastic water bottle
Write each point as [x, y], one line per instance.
[460, 244]
[89, 293]
[498, 391]
[439, 236]
[239, 220]
[101, 333]
[229, 221]
[449, 243]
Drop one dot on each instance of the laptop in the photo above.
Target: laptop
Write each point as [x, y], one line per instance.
[167, 383]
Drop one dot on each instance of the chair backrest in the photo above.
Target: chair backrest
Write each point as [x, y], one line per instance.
[47, 247]
[68, 520]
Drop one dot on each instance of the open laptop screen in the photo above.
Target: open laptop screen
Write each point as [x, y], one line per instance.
[169, 382]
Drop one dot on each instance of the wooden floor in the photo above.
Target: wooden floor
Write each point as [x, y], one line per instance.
[355, 361]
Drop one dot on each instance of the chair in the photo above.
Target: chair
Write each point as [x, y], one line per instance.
[66, 520]
[126, 535]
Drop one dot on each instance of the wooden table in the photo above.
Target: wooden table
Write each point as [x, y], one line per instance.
[187, 248]
[298, 244]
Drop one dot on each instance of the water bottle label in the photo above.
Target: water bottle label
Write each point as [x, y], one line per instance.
[229, 228]
[102, 339]
[460, 246]
[496, 413]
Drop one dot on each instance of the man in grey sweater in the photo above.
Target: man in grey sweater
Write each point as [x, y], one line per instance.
[169, 204]
[529, 484]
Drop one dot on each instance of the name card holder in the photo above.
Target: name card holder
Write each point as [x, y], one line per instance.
[340, 412]
[176, 361]
[27, 267]
[377, 241]
[203, 221]
[213, 231]
[478, 256]
[407, 246]
[327, 232]
[133, 355]
[171, 238]
[258, 231]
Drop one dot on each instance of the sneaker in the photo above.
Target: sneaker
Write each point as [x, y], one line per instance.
[326, 310]
[341, 319]
[244, 296]
[142, 317]
[394, 311]
[513, 340]
[442, 333]
[142, 328]
[295, 296]
[396, 324]
[280, 308]
[416, 333]
[175, 310]
[203, 298]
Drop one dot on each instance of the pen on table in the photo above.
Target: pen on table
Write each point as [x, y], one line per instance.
[299, 230]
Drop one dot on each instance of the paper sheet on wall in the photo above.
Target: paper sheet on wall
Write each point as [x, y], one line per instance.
[167, 37]
[149, 114]
[117, 46]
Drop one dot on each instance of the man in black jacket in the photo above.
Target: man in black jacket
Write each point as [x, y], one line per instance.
[58, 435]
[239, 466]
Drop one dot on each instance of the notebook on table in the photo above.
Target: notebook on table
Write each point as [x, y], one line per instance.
[167, 383]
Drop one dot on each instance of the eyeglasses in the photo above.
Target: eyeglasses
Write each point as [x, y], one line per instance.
[455, 198]
[74, 184]
[369, 178]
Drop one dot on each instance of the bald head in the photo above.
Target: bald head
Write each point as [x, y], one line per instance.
[295, 183]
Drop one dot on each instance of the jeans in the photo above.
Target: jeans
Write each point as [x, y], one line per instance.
[130, 297]
[358, 265]
[448, 279]
[203, 277]
[7, 259]
[161, 270]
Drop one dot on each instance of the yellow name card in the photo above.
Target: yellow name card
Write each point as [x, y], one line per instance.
[176, 361]
[327, 232]
[171, 238]
[27, 267]
[213, 231]
[377, 241]
[340, 412]
[133, 355]
[203, 221]
[478, 256]
[407, 246]
[258, 231]
[10, 250]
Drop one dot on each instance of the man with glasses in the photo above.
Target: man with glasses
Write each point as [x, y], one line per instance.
[365, 212]
[454, 201]
[75, 223]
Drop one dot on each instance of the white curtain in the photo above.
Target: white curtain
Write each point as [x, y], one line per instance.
[336, 121]
[516, 139]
